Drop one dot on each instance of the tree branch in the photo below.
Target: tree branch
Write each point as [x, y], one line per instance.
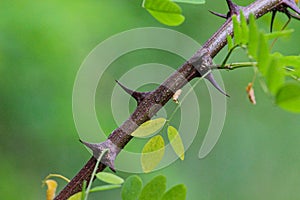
[156, 99]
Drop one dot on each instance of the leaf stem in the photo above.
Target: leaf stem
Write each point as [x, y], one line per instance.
[94, 172]
[232, 66]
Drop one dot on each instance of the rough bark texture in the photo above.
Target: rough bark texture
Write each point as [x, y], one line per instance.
[154, 100]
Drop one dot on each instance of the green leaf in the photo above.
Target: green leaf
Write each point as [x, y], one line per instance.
[152, 153]
[244, 28]
[253, 37]
[76, 196]
[293, 63]
[288, 97]
[149, 127]
[154, 189]
[176, 142]
[104, 188]
[276, 74]
[132, 188]
[178, 192]
[237, 32]
[190, 1]
[109, 178]
[229, 42]
[165, 11]
[276, 34]
[263, 57]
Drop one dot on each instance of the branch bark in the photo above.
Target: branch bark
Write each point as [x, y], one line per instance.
[154, 100]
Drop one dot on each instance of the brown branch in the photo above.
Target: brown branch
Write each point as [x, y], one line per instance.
[154, 100]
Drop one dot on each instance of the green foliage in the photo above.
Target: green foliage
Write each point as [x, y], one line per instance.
[176, 142]
[167, 12]
[288, 97]
[132, 188]
[178, 192]
[275, 68]
[152, 153]
[155, 189]
[149, 127]
[104, 188]
[109, 178]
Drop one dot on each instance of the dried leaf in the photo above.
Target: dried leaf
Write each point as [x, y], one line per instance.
[176, 96]
[250, 92]
[51, 189]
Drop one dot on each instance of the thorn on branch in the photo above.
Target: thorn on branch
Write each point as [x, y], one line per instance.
[234, 9]
[292, 5]
[202, 61]
[109, 158]
[138, 96]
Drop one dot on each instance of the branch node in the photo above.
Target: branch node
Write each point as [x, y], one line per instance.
[234, 9]
[138, 96]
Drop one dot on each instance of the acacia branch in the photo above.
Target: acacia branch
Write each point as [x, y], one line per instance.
[150, 103]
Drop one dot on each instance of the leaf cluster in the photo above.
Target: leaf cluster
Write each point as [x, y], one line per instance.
[280, 73]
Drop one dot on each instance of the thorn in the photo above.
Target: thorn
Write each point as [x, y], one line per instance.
[233, 8]
[138, 96]
[295, 16]
[292, 5]
[218, 14]
[272, 20]
[212, 80]
[109, 158]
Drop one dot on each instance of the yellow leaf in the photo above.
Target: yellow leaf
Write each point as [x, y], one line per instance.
[51, 189]
[149, 127]
[152, 153]
[176, 142]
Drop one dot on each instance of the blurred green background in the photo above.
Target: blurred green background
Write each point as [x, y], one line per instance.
[42, 45]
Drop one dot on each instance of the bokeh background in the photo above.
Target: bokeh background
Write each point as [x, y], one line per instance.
[42, 45]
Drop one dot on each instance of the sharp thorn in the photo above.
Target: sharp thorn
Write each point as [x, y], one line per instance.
[233, 8]
[272, 20]
[218, 14]
[138, 96]
[212, 80]
[292, 5]
[97, 148]
[295, 16]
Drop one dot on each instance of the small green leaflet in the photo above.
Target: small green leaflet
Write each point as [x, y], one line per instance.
[190, 1]
[288, 97]
[275, 74]
[109, 178]
[164, 11]
[76, 196]
[178, 192]
[149, 127]
[104, 188]
[152, 153]
[132, 188]
[176, 142]
[154, 189]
